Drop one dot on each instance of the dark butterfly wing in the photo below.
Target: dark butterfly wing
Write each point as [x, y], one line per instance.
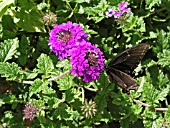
[124, 81]
[128, 59]
[124, 63]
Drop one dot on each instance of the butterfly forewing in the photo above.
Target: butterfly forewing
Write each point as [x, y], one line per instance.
[130, 57]
[124, 63]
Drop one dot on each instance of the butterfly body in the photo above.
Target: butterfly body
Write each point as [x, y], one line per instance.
[123, 64]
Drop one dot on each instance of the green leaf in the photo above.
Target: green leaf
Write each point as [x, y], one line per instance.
[66, 82]
[167, 114]
[96, 13]
[89, 31]
[64, 64]
[81, 10]
[8, 49]
[130, 24]
[10, 70]
[162, 42]
[30, 21]
[71, 94]
[61, 112]
[30, 74]
[152, 119]
[156, 88]
[163, 93]
[1, 102]
[163, 80]
[9, 27]
[151, 3]
[24, 50]
[164, 59]
[53, 102]
[152, 35]
[134, 23]
[49, 96]
[3, 6]
[141, 25]
[10, 99]
[38, 86]
[45, 65]
[43, 44]
[167, 6]
[103, 80]
[100, 99]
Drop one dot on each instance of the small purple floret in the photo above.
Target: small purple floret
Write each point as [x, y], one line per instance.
[110, 12]
[123, 7]
[120, 11]
[123, 4]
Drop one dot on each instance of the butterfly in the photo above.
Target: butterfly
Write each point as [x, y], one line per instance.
[123, 64]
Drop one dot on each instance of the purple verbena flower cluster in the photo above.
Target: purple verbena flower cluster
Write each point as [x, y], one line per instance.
[70, 40]
[63, 37]
[120, 11]
[87, 61]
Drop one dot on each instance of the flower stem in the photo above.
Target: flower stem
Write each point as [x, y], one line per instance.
[82, 89]
[91, 89]
[50, 79]
[60, 76]
[149, 106]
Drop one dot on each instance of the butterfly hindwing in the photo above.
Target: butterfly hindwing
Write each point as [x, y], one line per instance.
[124, 81]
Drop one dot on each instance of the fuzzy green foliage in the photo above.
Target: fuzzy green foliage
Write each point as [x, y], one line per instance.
[31, 74]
